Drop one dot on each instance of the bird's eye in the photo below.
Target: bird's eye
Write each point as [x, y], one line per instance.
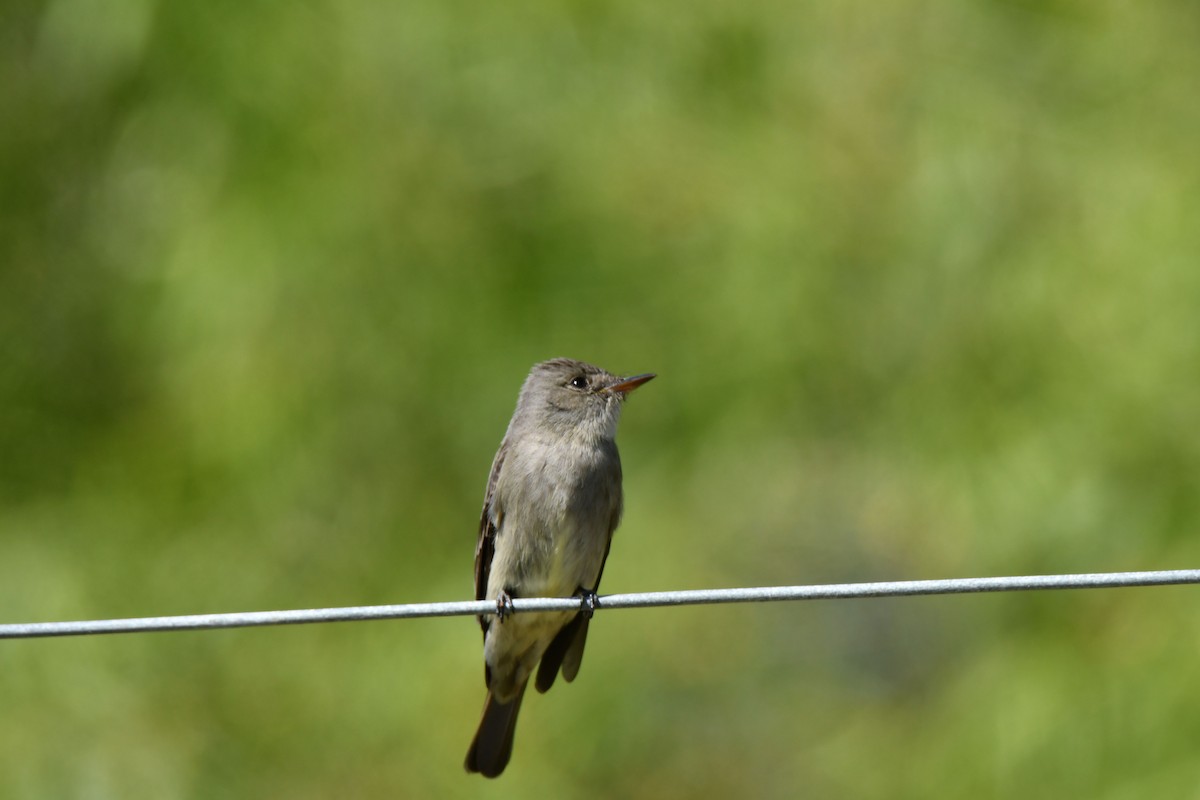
[579, 382]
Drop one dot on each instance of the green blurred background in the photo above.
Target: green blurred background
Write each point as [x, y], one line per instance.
[920, 282]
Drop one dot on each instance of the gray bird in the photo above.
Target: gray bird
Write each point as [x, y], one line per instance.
[553, 501]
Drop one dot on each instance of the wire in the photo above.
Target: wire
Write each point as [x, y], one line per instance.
[840, 591]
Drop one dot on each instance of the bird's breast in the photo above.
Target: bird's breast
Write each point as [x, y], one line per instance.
[560, 501]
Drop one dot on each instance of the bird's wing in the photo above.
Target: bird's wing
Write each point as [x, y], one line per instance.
[574, 654]
[566, 649]
[486, 543]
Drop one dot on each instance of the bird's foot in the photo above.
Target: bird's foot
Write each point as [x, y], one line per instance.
[591, 601]
[504, 605]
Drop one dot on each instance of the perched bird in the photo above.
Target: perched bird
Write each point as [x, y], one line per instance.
[552, 503]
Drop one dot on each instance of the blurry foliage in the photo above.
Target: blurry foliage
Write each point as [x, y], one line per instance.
[920, 281]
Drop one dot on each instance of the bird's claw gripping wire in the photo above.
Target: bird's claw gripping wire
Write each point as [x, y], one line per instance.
[504, 605]
[591, 601]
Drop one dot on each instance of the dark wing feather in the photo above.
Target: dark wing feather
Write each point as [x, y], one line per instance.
[566, 649]
[485, 545]
[574, 654]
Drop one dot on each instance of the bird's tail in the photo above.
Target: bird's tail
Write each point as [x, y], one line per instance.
[492, 746]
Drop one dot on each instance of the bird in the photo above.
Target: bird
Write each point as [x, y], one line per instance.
[552, 502]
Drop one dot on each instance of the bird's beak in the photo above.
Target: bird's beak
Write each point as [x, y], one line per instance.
[627, 385]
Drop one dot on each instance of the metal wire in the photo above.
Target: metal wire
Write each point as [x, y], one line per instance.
[840, 591]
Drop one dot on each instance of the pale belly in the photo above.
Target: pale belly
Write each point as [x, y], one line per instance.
[549, 565]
